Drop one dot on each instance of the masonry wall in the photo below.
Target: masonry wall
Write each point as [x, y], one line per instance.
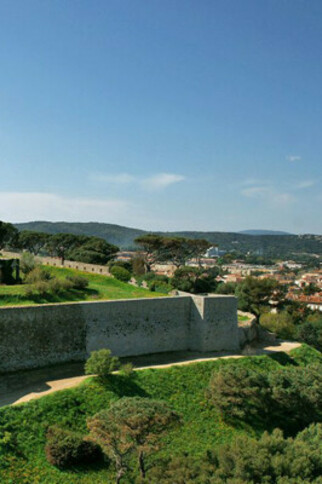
[36, 336]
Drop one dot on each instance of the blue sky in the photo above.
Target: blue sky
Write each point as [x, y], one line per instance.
[162, 114]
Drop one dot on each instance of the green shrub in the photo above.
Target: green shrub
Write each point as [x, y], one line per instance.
[290, 397]
[279, 323]
[160, 286]
[127, 369]
[41, 288]
[59, 286]
[311, 333]
[65, 448]
[273, 459]
[121, 263]
[150, 276]
[38, 274]
[77, 282]
[101, 363]
[296, 396]
[120, 273]
[28, 262]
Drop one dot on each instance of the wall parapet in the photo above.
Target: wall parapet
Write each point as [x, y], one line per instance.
[36, 336]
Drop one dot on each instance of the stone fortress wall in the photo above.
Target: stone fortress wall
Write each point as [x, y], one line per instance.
[36, 336]
[56, 262]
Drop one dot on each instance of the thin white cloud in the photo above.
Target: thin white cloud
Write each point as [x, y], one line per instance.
[253, 181]
[158, 181]
[26, 206]
[268, 195]
[161, 180]
[293, 158]
[255, 192]
[305, 184]
[119, 178]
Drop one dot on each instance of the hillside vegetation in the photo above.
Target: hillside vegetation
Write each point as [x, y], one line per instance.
[269, 245]
[203, 430]
[99, 288]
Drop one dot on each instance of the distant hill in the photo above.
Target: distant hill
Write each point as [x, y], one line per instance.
[114, 234]
[264, 232]
[275, 245]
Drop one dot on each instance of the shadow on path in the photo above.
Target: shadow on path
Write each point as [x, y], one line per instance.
[13, 386]
[28, 384]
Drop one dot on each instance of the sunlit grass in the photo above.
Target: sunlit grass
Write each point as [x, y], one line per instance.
[99, 288]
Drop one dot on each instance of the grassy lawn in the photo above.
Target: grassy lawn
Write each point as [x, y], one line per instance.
[99, 288]
[22, 456]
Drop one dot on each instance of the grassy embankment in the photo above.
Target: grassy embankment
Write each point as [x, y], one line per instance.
[22, 456]
[99, 288]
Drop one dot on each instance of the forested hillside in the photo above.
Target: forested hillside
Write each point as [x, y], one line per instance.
[268, 245]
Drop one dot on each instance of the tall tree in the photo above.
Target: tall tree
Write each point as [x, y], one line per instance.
[32, 241]
[59, 244]
[151, 245]
[131, 425]
[174, 250]
[8, 235]
[254, 294]
[94, 251]
[197, 248]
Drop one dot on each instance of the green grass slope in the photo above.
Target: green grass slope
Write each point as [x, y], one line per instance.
[23, 428]
[99, 288]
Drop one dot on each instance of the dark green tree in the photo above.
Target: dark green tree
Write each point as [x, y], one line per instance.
[59, 245]
[131, 425]
[8, 235]
[256, 294]
[94, 251]
[311, 331]
[238, 391]
[31, 241]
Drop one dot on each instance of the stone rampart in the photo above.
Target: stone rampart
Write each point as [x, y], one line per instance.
[70, 264]
[36, 336]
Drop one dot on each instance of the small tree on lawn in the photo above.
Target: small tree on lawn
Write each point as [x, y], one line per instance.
[101, 363]
[131, 425]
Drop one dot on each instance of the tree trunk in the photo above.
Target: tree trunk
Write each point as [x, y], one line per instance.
[141, 465]
[119, 475]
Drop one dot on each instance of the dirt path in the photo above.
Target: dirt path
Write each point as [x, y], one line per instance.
[27, 385]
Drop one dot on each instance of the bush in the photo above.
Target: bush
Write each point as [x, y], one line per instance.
[38, 274]
[77, 282]
[28, 263]
[121, 263]
[40, 288]
[160, 286]
[101, 363]
[59, 286]
[272, 459]
[226, 288]
[296, 395]
[290, 397]
[43, 284]
[65, 448]
[279, 323]
[120, 273]
[311, 333]
[127, 369]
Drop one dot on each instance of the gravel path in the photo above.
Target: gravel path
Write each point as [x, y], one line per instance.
[27, 385]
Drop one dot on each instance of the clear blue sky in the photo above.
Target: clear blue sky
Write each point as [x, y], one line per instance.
[162, 114]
